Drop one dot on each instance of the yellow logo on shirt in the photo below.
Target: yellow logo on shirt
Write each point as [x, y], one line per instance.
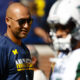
[24, 64]
[15, 51]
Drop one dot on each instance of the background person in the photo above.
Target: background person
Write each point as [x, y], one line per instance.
[15, 60]
[38, 73]
[68, 68]
[65, 21]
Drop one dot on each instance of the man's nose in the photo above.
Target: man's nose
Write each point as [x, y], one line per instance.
[26, 25]
[59, 34]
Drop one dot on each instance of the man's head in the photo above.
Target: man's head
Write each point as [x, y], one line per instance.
[18, 20]
[65, 19]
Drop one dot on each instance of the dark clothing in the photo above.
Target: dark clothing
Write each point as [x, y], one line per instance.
[14, 61]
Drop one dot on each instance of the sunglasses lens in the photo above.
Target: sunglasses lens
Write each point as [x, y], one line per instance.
[23, 21]
[29, 21]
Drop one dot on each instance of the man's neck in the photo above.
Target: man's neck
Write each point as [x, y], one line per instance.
[13, 38]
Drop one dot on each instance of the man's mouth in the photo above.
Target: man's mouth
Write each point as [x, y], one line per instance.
[24, 31]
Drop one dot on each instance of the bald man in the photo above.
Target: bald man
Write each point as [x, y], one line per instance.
[15, 60]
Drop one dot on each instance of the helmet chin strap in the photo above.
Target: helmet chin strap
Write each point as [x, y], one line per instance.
[66, 51]
[58, 43]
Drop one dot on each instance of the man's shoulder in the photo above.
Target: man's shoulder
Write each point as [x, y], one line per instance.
[76, 51]
[3, 41]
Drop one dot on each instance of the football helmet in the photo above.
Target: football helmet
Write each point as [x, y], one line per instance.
[62, 12]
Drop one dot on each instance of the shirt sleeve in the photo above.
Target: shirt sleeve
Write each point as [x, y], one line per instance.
[3, 63]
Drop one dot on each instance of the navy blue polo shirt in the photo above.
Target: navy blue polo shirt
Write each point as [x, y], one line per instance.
[15, 61]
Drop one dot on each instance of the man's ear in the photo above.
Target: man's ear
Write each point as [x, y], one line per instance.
[7, 21]
[34, 60]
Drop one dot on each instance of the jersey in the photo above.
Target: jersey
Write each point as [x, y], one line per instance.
[66, 69]
[78, 72]
[15, 61]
